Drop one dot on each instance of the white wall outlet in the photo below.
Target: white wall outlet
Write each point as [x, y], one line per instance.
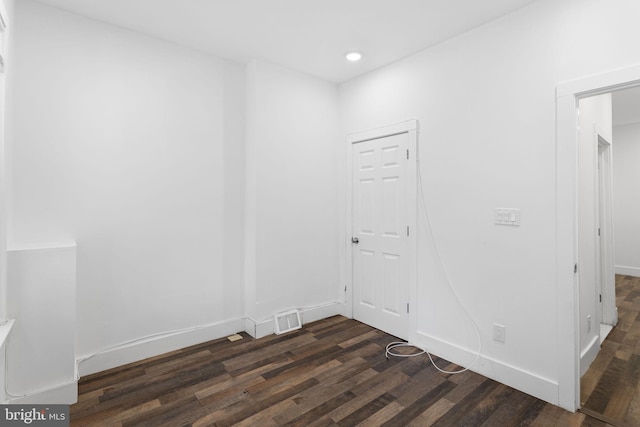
[588, 323]
[499, 332]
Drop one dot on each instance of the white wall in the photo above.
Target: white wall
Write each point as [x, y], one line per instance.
[486, 106]
[139, 156]
[133, 148]
[6, 47]
[292, 185]
[41, 349]
[595, 119]
[626, 188]
[6, 8]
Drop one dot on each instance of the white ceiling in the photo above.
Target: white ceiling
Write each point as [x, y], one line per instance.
[307, 35]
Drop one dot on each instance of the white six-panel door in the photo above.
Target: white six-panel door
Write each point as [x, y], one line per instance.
[383, 262]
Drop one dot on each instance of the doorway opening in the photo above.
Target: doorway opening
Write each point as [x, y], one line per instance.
[596, 278]
[572, 320]
[617, 264]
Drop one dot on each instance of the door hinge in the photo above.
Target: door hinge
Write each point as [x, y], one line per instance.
[407, 308]
[407, 231]
[598, 232]
[575, 267]
[600, 297]
[407, 154]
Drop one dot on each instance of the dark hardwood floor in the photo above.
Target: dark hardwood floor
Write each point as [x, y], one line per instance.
[611, 385]
[330, 373]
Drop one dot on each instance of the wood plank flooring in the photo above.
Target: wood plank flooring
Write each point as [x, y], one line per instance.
[330, 373]
[611, 385]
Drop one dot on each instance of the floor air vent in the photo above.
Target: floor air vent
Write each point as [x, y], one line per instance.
[287, 321]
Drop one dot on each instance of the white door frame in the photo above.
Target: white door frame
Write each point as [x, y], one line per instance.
[605, 261]
[411, 128]
[567, 97]
[3, 189]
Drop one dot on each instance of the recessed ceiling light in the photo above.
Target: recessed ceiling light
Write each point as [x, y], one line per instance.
[353, 56]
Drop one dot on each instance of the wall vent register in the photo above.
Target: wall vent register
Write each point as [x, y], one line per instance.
[287, 321]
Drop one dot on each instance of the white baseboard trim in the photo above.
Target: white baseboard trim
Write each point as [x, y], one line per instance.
[322, 312]
[259, 329]
[520, 379]
[588, 355]
[64, 394]
[627, 271]
[134, 352]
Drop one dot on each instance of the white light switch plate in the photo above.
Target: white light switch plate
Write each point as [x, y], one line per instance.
[507, 216]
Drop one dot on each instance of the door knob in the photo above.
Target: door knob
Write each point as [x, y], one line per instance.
[355, 240]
